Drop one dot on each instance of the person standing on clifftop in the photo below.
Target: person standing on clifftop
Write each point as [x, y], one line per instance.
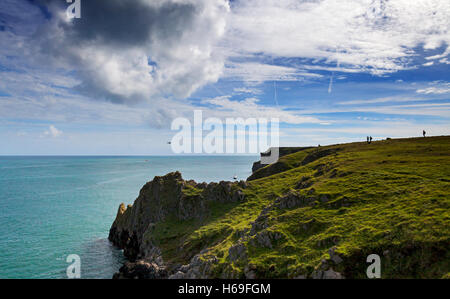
[424, 133]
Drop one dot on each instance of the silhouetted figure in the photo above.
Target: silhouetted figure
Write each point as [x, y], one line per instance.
[424, 133]
[370, 139]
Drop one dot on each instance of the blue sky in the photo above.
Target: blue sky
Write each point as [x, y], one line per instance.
[112, 81]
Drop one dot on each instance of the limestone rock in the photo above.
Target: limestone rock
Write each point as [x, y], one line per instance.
[238, 251]
[250, 271]
[141, 270]
[328, 274]
[294, 200]
[265, 239]
[178, 275]
[333, 256]
[257, 165]
[331, 274]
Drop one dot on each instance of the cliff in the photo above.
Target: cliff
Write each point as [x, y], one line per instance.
[164, 208]
[282, 151]
[318, 216]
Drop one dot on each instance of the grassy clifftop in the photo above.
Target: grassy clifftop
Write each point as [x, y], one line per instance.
[321, 214]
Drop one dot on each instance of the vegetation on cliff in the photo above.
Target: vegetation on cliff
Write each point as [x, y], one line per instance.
[319, 217]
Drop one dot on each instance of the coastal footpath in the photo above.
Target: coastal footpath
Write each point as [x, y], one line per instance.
[315, 213]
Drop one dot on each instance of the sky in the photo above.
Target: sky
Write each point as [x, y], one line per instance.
[112, 82]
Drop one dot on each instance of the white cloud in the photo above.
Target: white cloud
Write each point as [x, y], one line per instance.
[391, 99]
[438, 88]
[172, 48]
[79, 110]
[366, 36]
[434, 90]
[240, 90]
[260, 72]
[444, 54]
[52, 132]
[432, 109]
[166, 49]
[225, 107]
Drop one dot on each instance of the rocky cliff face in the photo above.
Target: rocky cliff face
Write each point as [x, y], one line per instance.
[165, 197]
[170, 196]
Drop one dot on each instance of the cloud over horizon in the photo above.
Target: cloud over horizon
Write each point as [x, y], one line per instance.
[171, 48]
[127, 53]
[52, 132]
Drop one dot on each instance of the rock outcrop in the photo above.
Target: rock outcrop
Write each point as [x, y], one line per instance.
[163, 197]
[141, 270]
[172, 197]
[257, 165]
[275, 167]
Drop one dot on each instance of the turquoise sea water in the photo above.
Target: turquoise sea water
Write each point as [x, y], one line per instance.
[51, 207]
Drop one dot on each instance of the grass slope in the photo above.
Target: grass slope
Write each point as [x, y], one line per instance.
[390, 198]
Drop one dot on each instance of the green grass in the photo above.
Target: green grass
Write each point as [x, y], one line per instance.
[389, 197]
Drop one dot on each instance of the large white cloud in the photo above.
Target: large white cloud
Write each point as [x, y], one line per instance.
[130, 51]
[374, 36]
[148, 49]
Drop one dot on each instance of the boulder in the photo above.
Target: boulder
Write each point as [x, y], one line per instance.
[177, 275]
[141, 270]
[237, 251]
[331, 274]
[333, 256]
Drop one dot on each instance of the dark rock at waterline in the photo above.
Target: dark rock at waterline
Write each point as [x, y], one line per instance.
[257, 165]
[141, 270]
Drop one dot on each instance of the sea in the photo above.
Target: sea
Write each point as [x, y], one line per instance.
[52, 207]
